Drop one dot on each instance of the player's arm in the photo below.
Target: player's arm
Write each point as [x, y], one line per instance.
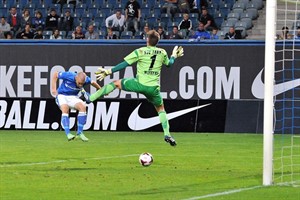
[102, 73]
[95, 85]
[53, 84]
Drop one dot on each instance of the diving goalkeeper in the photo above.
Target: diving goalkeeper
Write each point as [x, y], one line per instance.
[150, 60]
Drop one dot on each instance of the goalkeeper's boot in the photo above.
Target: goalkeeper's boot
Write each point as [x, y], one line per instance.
[70, 137]
[170, 140]
[82, 137]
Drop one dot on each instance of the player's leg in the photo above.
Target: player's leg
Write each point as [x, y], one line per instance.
[165, 124]
[105, 90]
[65, 120]
[153, 96]
[80, 106]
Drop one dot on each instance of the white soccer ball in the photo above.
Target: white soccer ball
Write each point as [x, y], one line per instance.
[146, 159]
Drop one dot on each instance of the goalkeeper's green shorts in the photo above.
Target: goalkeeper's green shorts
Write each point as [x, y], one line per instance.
[152, 93]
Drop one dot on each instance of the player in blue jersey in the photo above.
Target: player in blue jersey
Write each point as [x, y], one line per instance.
[68, 97]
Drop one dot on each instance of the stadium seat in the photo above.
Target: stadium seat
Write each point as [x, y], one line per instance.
[86, 17]
[160, 24]
[218, 18]
[151, 20]
[22, 2]
[245, 17]
[166, 18]
[178, 17]
[126, 35]
[233, 15]
[145, 11]
[117, 33]
[107, 9]
[221, 34]
[212, 9]
[259, 4]
[227, 25]
[170, 25]
[239, 5]
[224, 10]
[101, 34]
[253, 12]
[19, 6]
[47, 34]
[80, 9]
[62, 34]
[138, 35]
[157, 11]
[232, 21]
[47, 2]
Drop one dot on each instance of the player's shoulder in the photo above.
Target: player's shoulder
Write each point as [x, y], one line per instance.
[161, 50]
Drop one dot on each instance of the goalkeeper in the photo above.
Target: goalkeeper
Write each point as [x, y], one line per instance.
[150, 60]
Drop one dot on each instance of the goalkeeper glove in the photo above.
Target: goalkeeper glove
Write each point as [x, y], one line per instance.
[102, 73]
[177, 52]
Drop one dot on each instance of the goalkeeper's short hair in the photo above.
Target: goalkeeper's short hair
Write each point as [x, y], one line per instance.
[153, 37]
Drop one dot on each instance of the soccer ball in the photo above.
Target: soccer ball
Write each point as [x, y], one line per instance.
[146, 159]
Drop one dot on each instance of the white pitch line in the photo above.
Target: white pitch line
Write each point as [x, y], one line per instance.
[62, 161]
[224, 193]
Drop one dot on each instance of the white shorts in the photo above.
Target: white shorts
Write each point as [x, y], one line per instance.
[71, 101]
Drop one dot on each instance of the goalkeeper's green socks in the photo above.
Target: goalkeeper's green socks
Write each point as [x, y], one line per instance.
[106, 89]
[164, 122]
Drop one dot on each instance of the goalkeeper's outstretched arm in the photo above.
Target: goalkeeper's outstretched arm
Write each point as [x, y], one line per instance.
[102, 73]
[176, 53]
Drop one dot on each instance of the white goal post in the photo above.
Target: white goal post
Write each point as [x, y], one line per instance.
[268, 129]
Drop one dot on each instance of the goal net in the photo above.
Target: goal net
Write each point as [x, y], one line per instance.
[286, 154]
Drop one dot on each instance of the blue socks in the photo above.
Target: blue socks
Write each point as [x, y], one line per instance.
[81, 120]
[65, 121]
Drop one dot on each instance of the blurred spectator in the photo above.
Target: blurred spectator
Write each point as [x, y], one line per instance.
[110, 34]
[14, 20]
[8, 35]
[78, 34]
[175, 33]
[38, 34]
[38, 20]
[232, 34]
[132, 15]
[207, 20]
[144, 33]
[26, 19]
[27, 33]
[183, 6]
[170, 7]
[55, 35]
[161, 33]
[193, 7]
[285, 34]
[52, 20]
[116, 21]
[297, 34]
[214, 34]
[4, 27]
[186, 23]
[91, 34]
[201, 33]
[66, 22]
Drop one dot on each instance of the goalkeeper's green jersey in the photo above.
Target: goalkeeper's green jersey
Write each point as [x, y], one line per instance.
[149, 63]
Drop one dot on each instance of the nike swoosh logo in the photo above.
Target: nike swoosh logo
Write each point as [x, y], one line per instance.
[258, 87]
[135, 122]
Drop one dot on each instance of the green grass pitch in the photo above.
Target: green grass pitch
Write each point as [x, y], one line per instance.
[44, 165]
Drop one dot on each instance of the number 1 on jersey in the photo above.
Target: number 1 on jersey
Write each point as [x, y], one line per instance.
[153, 58]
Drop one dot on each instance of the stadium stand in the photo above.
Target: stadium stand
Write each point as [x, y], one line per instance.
[241, 14]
